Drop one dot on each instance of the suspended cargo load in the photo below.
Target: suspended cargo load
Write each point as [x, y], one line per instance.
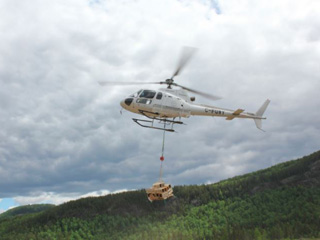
[159, 191]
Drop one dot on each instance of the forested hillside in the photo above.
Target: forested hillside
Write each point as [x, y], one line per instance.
[276, 203]
[22, 210]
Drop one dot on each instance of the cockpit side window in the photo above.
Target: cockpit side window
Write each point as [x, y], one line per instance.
[147, 94]
[159, 95]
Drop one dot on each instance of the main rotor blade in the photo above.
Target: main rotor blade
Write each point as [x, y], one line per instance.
[105, 83]
[206, 95]
[187, 53]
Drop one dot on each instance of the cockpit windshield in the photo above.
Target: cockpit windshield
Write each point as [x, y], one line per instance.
[136, 94]
[147, 94]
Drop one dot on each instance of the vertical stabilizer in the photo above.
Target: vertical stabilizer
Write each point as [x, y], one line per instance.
[263, 108]
[258, 123]
[260, 113]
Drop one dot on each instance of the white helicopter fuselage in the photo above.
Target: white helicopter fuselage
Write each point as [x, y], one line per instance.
[169, 103]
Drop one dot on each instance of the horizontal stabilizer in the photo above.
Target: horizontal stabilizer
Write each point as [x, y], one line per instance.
[234, 114]
[238, 111]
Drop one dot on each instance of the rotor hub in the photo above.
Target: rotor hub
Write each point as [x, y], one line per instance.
[169, 82]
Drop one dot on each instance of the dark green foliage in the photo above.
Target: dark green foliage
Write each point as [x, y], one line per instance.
[276, 203]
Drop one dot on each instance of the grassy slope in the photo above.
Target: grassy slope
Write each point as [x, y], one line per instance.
[281, 201]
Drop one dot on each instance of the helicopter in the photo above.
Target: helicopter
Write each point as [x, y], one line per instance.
[167, 105]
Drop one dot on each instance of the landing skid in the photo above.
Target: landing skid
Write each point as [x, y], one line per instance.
[139, 122]
[150, 123]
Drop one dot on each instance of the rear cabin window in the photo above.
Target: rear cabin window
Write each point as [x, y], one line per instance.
[159, 95]
[147, 94]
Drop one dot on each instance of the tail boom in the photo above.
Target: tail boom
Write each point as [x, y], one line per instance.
[205, 110]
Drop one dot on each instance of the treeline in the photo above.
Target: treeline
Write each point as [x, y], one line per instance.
[276, 203]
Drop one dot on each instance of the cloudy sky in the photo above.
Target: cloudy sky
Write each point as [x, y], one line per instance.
[62, 135]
